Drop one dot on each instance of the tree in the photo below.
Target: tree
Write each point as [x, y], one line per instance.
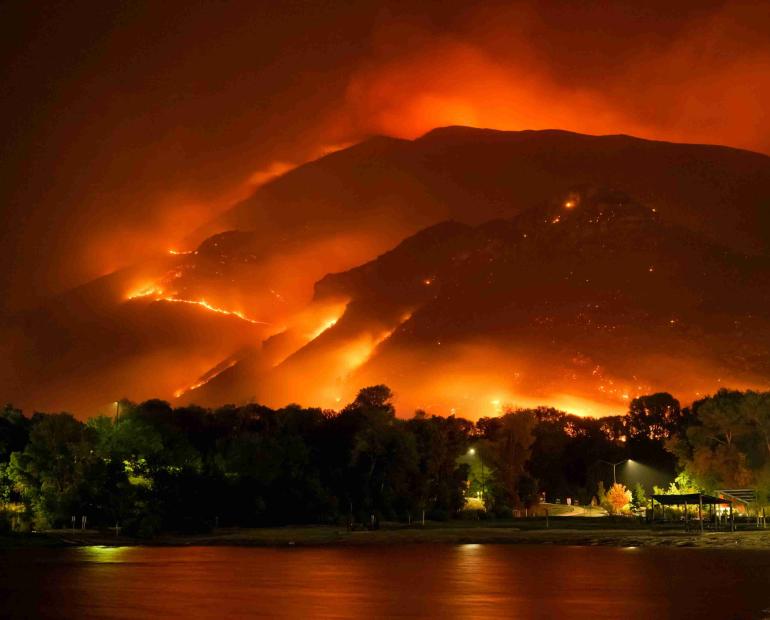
[618, 498]
[724, 446]
[14, 432]
[601, 496]
[439, 484]
[52, 469]
[639, 497]
[508, 448]
[654, 417]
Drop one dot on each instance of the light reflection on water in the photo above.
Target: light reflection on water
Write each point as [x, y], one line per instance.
[464, 581]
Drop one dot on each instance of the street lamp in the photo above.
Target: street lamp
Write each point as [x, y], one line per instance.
[472, 452]
[614, 465]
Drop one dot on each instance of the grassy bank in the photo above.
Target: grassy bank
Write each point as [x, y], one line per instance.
[586, 532]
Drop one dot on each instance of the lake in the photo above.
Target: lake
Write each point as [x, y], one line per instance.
[463, 581]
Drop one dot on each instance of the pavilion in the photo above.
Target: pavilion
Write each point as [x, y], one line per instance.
[687, 500]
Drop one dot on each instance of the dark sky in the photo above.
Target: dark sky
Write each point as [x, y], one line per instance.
[129, 124]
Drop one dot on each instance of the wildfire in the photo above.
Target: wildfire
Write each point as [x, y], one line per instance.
[180, 252]
[323, 327]
[204, 304]
[157, 294]
[150, 291]
[206, 378]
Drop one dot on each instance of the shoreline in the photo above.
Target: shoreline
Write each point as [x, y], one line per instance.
[324, 536]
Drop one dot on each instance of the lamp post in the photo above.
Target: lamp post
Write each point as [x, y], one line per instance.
[614, 465]
[472, 452]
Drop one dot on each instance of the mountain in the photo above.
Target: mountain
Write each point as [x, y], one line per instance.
[584, 302]
[474, 175]
[249, 296]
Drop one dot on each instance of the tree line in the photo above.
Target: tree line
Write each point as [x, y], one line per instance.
[155, 468]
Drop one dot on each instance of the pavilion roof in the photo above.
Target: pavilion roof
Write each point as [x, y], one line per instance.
[689, 498]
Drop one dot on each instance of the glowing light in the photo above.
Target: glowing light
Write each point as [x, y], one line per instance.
[180, 252]
[570, 204]
[556, 220]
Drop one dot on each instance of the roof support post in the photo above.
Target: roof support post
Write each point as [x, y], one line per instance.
[700, 511]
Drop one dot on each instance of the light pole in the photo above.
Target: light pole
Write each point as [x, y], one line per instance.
[614, 465]
[472, 452]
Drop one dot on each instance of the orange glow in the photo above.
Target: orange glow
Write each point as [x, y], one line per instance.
[327, 324]
[203, 381]
[356, 354]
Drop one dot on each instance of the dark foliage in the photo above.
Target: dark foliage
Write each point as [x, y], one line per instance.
[155, 468]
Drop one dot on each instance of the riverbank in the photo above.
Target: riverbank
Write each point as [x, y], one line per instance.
[454, 533]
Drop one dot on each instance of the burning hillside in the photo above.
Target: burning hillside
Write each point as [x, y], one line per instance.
[541, 288]
[584, 303]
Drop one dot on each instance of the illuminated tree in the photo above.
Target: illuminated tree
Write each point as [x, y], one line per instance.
[639, 499]
[52, 471]
[618, 498]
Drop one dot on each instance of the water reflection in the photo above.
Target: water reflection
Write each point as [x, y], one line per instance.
[465, 581]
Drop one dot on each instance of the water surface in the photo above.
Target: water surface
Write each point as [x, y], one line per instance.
[442, 581]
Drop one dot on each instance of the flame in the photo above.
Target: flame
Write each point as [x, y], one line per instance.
[180, 252]
[204, 304]
[146, 291]
[206, 378]
[158, 294]
[328, 324]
